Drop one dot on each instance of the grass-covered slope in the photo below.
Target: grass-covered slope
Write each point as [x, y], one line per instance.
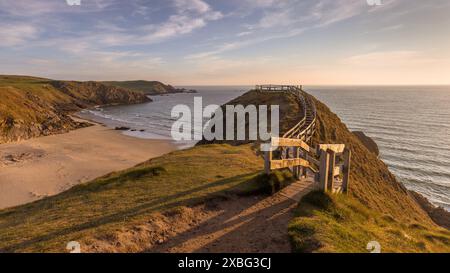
[338, 223]
[378, 207]
[31, 107]
[122, 200]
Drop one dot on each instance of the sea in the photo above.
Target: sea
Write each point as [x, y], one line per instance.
[411, 125]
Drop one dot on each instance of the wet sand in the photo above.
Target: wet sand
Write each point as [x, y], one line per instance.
[45, 166]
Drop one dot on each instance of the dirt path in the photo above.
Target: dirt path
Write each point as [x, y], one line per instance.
[239, 225]
[233, 224]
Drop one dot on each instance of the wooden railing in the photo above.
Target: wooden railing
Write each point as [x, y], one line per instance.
[328, 163]
[277, 88]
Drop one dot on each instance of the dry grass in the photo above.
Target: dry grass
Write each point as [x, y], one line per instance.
[378, 206]
[337, 223]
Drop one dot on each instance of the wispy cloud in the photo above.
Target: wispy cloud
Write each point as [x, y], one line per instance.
[27, 8]
[229, 46]
[287, 19]
[190, 15]
[17, 34]
[309, 13]
[212, 38]
[390, 58]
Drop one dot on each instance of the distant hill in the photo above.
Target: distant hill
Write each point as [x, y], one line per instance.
[148, 87]
[32, 107]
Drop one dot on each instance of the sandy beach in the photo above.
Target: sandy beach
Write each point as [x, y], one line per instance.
[45, 166]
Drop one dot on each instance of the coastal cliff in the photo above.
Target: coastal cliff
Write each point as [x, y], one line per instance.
[32, 107]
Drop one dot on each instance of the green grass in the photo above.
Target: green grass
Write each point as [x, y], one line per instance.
[339, 223]
[124, 199]
[147, 87]
[29, 99]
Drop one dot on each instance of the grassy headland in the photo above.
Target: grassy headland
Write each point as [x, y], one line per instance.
[31, 107]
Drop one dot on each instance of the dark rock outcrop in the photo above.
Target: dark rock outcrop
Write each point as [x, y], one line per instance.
[439, 215]
[122, 128]
[368, 142]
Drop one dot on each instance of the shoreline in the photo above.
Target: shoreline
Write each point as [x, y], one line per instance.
[45, 166]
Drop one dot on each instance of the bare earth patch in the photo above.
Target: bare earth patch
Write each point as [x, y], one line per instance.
[18, 156]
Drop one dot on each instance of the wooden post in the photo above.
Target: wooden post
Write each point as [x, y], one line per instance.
[302, 170]
[323, 170]
[346, 170]
[331, 164]
[267, 159]
[296, 168]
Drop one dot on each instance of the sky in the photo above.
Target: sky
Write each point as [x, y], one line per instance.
[229, 42]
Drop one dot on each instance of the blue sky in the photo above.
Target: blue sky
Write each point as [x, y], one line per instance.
[229, 41]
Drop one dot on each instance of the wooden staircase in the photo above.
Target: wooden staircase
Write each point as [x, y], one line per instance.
[323, 167]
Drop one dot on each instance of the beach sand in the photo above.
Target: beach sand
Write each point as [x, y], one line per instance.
[45, 166]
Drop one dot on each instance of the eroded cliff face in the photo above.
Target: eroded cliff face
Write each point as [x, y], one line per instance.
[15, 130]
[39, 107]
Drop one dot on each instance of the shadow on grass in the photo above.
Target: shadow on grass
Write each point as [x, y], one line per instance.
[158, 204]
[250, 225]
